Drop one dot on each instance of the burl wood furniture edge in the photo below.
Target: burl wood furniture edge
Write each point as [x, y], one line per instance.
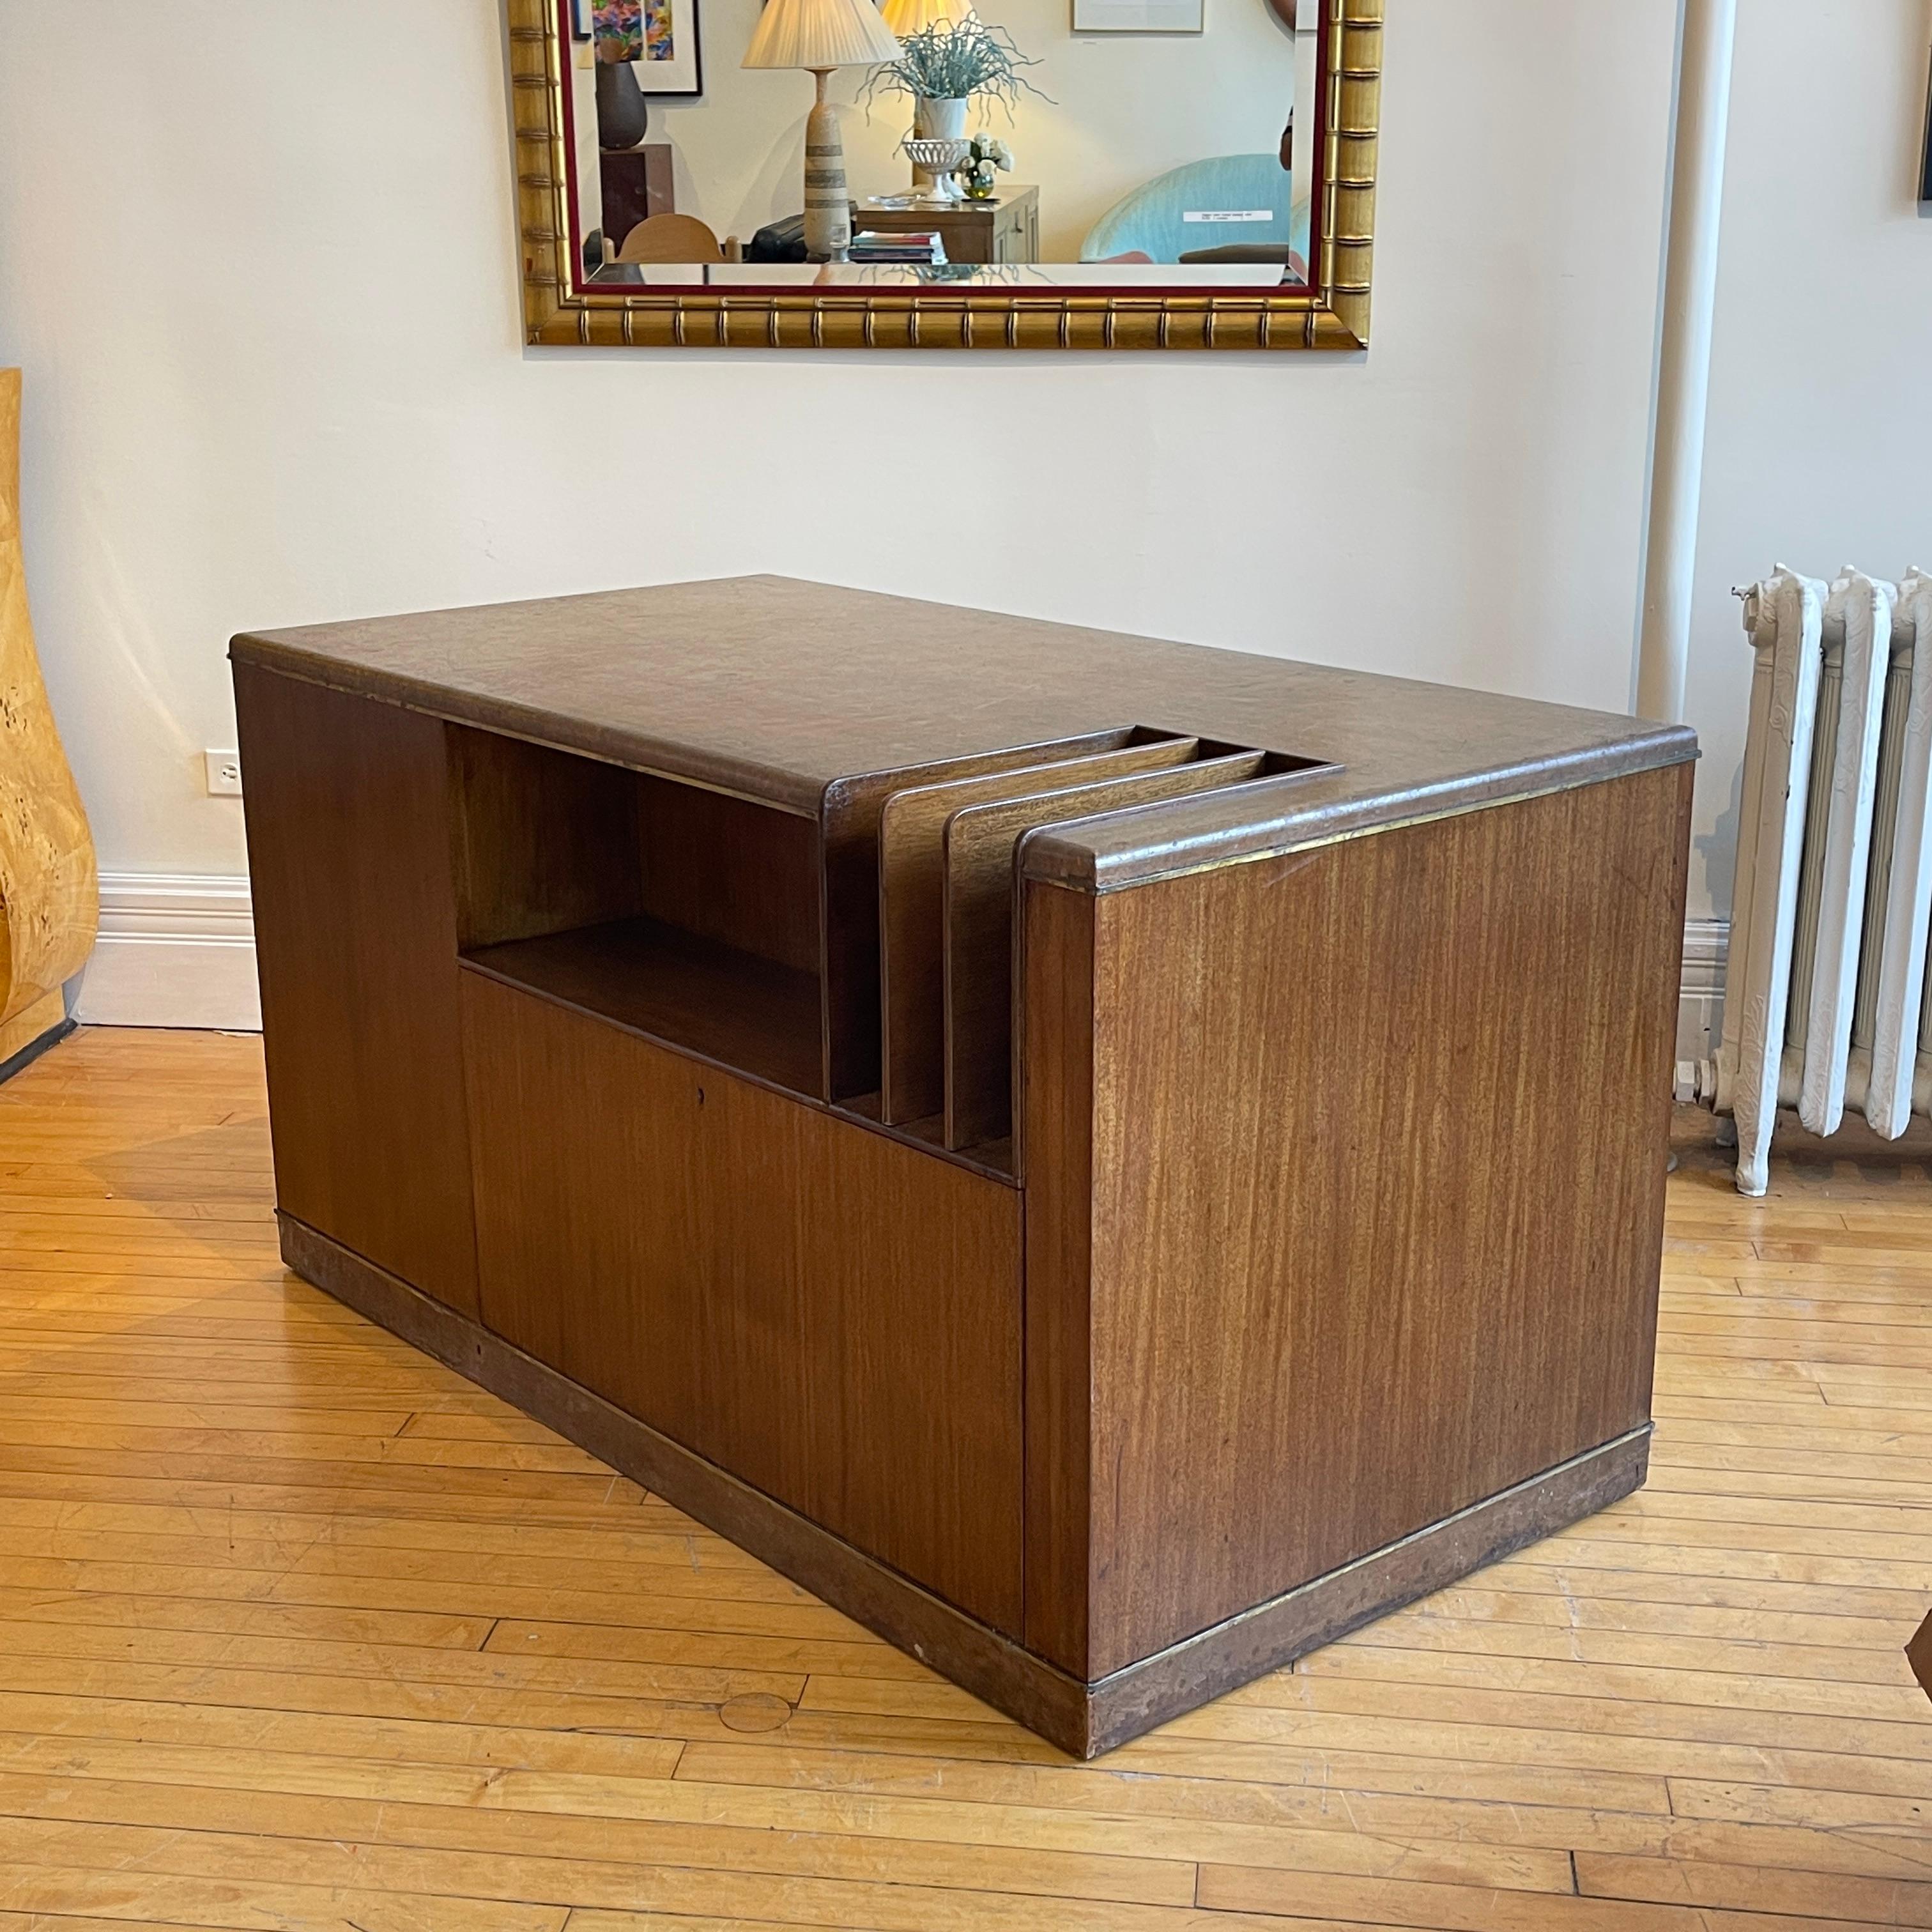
[1319, 1265]
[1083, 1719]
[50, 897]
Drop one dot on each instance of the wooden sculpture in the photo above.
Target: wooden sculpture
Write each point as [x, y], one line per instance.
[49, 895]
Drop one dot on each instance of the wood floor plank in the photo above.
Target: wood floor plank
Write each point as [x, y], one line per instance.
[52, 1898]
[213, 1486]
[463, 1853]
[553, 1811]
[1851, 1811]
[1244, 1784]
[379, 1547]
[393, 1741]
[298, 1629]
[700, 1671]
[1461, 1909]
[1682, 1883]
[380, 1470]
[1046, 1921]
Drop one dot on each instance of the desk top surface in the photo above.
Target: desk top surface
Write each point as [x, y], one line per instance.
[1010, 194]
[778, 690]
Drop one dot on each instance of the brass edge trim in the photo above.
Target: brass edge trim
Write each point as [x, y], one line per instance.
[436, 1323]
[1495, 1503]
[1038, 1693]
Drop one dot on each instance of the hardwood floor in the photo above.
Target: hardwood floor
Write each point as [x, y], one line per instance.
[297, 1629]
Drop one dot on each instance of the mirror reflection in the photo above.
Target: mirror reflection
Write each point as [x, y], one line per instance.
[1108, 143]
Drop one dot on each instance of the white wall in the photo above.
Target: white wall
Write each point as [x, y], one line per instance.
[1821, 400]
[275, 376]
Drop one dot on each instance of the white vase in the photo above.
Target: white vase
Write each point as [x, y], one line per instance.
[939, 120]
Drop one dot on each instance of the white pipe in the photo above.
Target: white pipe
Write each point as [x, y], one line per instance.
[1706, 31]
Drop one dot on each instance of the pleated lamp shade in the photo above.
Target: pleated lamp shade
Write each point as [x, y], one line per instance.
[911, 16]
[820, 33]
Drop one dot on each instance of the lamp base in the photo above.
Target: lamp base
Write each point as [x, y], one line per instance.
[828, 207]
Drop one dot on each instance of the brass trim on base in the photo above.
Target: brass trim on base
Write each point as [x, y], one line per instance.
[1082, 1719]
[1333, 314]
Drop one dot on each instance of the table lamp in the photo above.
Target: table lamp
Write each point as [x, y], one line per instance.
[819, 35]
[911, 16]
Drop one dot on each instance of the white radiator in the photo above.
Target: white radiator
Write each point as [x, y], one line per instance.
[1825, 993]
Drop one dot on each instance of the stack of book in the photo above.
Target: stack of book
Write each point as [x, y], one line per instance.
[926, 247]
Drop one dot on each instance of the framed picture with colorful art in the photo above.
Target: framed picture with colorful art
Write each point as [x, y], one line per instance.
[659, 36]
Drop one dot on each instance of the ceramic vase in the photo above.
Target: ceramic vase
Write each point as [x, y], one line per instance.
[935, 120]
[623, 116]
[939, 120]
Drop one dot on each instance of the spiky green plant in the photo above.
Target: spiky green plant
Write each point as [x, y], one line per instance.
[960, 60]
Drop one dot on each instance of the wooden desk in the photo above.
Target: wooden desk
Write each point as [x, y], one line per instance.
[1112, 1162]
[1004, 229]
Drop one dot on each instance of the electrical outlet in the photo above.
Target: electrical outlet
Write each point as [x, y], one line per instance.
[224, 773]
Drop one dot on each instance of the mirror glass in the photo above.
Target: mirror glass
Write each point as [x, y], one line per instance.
[1126, 144]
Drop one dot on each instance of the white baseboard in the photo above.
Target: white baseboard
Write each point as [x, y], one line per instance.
[178, 950]
[175, 949]
[1700, 998]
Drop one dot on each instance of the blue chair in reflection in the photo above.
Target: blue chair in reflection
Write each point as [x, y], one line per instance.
[1241, 201]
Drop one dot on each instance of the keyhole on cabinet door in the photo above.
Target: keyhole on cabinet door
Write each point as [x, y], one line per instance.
[701, 1096]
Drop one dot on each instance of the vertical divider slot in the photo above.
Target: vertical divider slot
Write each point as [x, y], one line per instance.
[849, 815]
[980, 841]
[912, 906]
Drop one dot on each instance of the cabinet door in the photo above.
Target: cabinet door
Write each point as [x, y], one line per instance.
[832, 1316]
[347, 807]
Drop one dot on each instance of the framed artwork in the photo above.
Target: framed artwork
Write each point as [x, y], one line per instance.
[582, 25]
[660, 36]
[1139, 16]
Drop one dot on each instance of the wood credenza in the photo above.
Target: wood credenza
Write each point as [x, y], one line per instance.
[1110, 1162]
[1003, 228]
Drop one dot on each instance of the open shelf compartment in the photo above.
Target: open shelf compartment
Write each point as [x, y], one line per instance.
[751, 1015]
[685, 915]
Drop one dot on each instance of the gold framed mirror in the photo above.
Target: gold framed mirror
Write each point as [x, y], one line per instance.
[674, 191]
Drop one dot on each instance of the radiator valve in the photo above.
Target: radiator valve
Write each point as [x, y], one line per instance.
[1696, 1084]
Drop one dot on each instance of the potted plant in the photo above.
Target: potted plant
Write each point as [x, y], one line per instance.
[945, 66]
[987, 156]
